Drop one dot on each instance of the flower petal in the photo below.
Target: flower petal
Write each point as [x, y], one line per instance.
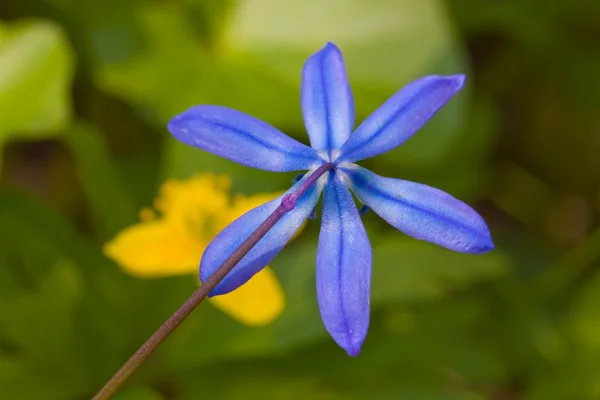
[400, 116]
[155, 249]
[241, 138]
[258, 302]
[327, 103]
[343, 268]
[265, 250]
[421, 211]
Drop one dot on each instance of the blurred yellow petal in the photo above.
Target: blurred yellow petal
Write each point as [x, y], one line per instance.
[257, 302]
[190, 213]
[196, 200]
[156, 249]
[241, 204]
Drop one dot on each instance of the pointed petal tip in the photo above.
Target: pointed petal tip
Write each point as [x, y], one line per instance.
[185, 115]
[485, 243]
[460, 80]
[456, 82]
[331, 46]
[175, 124]
[349, 341]
[353, 349]
[481, 245]
[484, 247]
[328, 47]
[489, 246]
[181, 125]
[479, 241]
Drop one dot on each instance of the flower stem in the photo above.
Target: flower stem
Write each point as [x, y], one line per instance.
[288, 203]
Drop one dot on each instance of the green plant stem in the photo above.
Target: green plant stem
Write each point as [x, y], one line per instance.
[287, 203]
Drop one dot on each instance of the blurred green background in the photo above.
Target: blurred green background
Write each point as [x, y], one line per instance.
[86, 89]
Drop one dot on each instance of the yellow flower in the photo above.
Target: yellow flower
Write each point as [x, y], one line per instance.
[191, 213]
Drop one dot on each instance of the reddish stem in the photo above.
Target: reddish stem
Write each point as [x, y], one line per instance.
[287, 204]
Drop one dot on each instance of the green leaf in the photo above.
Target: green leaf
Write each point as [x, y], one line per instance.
[408, 269]
[104, 32]
[110, 202]
[40, 324]
[430, 368]
[584, 318]
[52, 304]
[137, 393]
[31, 248]
[386, 44]
[572, 371]
[255, 64]
[34, 239]
[36, 69]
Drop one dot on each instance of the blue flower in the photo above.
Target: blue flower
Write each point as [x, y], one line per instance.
[344, 251]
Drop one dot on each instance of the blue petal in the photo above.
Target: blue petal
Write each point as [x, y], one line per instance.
[241, 138]
[266, 249]
[343, 268]
[421, 211]
[400, 116]
[327, 103]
